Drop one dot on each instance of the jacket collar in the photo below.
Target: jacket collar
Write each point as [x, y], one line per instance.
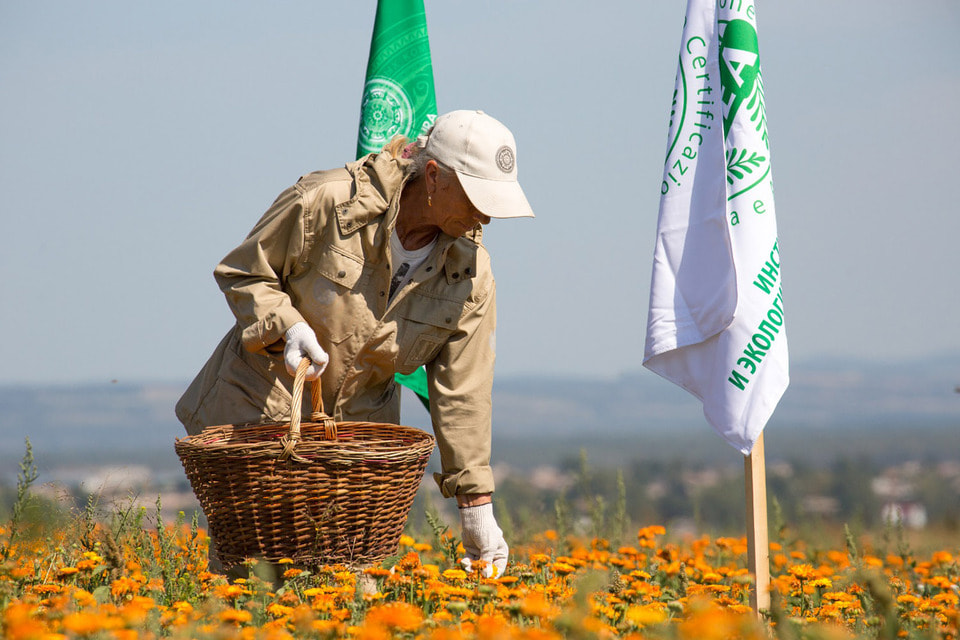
[459, 256]
[377, 180]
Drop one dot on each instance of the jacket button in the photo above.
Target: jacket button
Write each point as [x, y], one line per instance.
[448, 320]
[455, 276]
[429, 269]
[382, 293]
[341, 274]
[467, 271]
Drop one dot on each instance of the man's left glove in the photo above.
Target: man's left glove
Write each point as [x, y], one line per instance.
[483, 539]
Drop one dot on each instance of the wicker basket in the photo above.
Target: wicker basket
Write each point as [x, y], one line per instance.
[316, 492]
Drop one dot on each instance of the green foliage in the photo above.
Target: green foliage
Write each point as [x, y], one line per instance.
[25, 478]
[442, 537]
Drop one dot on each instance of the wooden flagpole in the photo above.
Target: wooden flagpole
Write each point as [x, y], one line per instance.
[758, 543]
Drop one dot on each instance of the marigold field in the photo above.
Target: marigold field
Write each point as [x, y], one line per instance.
[131, 575]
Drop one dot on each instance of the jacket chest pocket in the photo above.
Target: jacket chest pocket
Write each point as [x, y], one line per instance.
[330, 294]
[426, 325]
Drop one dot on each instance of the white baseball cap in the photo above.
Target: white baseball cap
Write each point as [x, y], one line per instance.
[484, 154]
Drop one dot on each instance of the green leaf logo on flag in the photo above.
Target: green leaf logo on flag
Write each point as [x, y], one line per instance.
[742, 85]
[398, 96]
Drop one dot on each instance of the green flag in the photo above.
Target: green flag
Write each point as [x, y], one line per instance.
[398, 98]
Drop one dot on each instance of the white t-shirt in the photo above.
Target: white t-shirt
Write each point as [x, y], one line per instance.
[405, 263]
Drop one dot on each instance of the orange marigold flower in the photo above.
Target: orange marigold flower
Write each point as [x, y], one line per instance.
[285, 561]
[235, 616]
[327, 627]
[396, 615]
[46, 589]
[410, 561]
[292, 573]
[135, 611]
[940, 582]
[376, 572]
[873, 561]
[648, 614]
[536, 606]
[182, 606]
[802, 571]
[345, 577]
[84, 598]
[422, 547]
[651, 531]
[278, 610]
[67, 571]
[407, 541]
[729, 543]
[697, 589]
[455, 574]
[123, 585]
[20, 573]
[822, 583]
[227, 591]
[942, 557]
[83, 624]
[562, 568]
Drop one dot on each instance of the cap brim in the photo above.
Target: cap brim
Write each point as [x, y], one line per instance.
[496, 198]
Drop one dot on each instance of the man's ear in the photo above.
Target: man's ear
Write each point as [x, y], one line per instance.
[431, 176]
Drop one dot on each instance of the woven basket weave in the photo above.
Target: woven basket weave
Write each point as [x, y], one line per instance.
[317, 492]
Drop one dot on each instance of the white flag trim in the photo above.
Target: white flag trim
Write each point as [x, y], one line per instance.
[716, 323]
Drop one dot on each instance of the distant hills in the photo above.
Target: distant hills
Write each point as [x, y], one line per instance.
[831, 408]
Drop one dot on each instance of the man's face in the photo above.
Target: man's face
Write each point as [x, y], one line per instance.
[458, 213]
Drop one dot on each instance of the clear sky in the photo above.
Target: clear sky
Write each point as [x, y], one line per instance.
[140, 141]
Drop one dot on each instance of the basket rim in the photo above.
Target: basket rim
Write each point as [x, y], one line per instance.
[394, 439]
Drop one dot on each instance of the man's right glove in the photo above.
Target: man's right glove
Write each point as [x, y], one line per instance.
[483, 539]
[302, 343]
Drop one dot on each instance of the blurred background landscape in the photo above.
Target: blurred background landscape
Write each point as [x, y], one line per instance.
[141, 141]
[852, 443]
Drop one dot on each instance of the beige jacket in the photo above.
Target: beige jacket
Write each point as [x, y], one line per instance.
[321, 254]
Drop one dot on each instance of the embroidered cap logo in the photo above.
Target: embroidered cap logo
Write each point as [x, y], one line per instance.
[505, 159]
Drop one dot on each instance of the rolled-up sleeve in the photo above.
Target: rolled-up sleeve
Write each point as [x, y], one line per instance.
[252, 276]
[460, 384]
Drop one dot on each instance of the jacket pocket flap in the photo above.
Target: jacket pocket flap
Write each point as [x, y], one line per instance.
[438, 313]
[340, 267]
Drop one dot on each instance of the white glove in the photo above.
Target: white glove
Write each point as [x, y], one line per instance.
[302, 343]
[483, 539]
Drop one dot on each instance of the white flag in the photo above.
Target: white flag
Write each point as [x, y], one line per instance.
[716, 322]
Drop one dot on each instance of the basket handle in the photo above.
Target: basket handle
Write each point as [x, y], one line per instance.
[292, 439]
